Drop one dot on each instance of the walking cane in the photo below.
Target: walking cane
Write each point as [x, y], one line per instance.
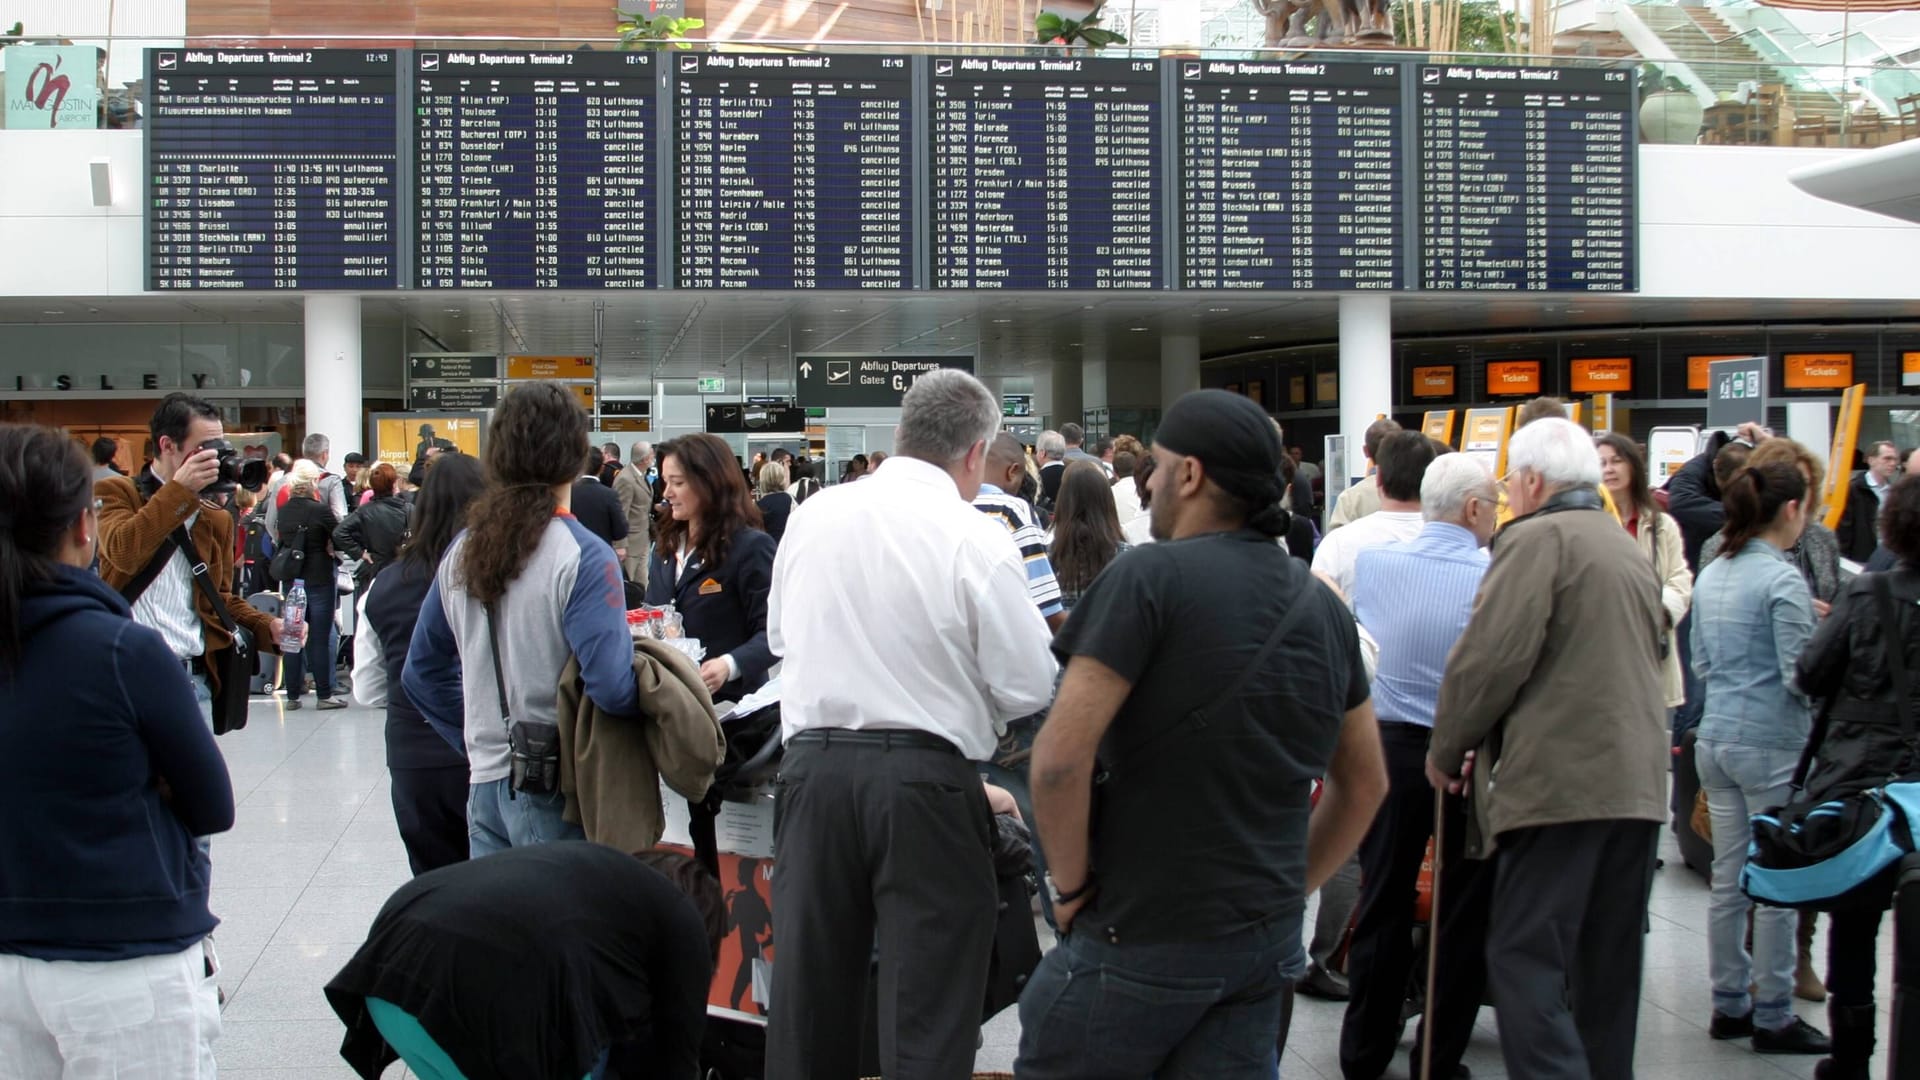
[1433, 933]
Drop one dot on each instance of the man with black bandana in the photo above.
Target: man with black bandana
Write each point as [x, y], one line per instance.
[1214, 679]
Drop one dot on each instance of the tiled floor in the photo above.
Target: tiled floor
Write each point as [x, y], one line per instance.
[315, 853]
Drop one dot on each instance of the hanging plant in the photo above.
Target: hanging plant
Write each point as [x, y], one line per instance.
[638, 31]
[1052, 29]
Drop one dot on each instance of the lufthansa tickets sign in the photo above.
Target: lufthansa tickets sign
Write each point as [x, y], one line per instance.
[1818, 371]
[1611, 375]
[860, 381]
[1513, 378]
[1433, 382]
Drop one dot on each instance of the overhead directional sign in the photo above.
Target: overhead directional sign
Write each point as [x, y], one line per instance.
[865, 381]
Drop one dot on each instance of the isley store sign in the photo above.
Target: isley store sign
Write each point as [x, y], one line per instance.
[148, 381]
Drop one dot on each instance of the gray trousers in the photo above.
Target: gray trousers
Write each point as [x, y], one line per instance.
[887, 846]
[1338, 897]
[1565, 944]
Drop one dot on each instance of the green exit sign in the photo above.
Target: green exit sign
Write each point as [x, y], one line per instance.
[713, 384]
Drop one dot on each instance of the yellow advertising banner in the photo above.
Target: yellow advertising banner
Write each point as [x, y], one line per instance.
[549, 367]
[403, 439]
[1846, 434]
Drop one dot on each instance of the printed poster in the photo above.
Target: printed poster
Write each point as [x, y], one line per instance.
[401, 439]
[53, 86]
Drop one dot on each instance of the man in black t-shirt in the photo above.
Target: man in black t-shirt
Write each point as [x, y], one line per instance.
[1215, 680]
[597, 507]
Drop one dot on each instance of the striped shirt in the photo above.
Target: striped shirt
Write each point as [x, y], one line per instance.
[168, 605]
[1013, 512]
[1415, 598]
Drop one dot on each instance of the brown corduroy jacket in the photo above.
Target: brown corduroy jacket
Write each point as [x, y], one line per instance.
[132, 530]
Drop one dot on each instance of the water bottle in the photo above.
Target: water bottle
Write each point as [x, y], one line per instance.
[293, 613]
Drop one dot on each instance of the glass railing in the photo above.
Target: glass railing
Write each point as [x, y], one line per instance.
[1742, 89]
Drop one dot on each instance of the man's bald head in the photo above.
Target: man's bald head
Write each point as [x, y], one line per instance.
[1004, 453]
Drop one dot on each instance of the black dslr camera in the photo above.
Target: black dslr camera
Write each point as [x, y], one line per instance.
[236, 471]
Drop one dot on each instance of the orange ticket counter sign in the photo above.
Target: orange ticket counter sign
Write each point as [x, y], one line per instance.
[1433, 382]
[1818, 371]
[1700, 369]
[1512, 378]
[1326, 388]
[1910, 369]
[1601, 376]
[549, 367]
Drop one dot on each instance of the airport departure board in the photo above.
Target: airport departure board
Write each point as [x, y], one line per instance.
[272, 169]
[534, 170]
[1527, 178]
[1047, 173]
[1290, 175]
[794, 171]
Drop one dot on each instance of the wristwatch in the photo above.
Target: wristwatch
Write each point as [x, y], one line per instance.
[1057, 897]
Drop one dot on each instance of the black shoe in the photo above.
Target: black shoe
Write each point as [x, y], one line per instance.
[1323, 984]
[1459, 1071]
[1798, 1037]
[1730, 1027]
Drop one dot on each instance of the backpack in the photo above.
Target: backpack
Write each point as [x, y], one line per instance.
[290, 562]
[805, 489]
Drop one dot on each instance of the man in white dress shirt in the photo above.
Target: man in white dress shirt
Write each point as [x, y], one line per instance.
[909, 640]
[1403, 458]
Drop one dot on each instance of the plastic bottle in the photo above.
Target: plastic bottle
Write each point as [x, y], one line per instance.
[293, 613]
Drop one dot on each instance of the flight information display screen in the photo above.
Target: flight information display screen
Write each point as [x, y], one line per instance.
[1527, 178]
[794, 171]
[534, 170]
[272, 169]
[1047, 173]
[1290, 176]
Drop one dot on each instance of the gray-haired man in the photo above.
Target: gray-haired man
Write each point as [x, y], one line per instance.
[910, 641]
[636, 500]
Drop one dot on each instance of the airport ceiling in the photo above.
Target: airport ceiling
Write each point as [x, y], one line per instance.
[679, 335]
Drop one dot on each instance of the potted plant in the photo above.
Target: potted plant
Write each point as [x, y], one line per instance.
[1050, 28]
[641, 31]
[1670, 114]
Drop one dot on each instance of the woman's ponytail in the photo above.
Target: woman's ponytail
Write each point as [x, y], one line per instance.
[1753, 499]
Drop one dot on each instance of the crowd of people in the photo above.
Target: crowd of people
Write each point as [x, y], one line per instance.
[1228, 711]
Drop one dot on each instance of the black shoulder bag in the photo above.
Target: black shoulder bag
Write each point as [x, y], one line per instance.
[533, 748]
[290, 558]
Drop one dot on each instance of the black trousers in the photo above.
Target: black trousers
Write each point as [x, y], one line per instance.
[1565, 946]
[430, 806]
[1853, 952]
[887, 846]
[1381, 960]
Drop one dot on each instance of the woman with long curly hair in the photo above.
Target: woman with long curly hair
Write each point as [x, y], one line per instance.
[524, 587]
[714, 563]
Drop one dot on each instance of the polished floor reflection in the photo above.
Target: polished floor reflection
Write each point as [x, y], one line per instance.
[315, 853]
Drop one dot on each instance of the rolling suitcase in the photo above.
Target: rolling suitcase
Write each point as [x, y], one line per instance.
[266, 666]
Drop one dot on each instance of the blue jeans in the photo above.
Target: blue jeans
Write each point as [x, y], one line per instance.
[1741, 781]
[499, 818]
[1189, 1009]
[321, 648]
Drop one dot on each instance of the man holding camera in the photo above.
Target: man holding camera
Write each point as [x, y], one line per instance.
[138, 519]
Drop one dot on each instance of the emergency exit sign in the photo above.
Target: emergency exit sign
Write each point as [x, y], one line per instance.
[713, 384]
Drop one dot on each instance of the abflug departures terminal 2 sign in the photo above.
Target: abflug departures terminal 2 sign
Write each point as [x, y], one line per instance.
[272, 169]
[829, 381]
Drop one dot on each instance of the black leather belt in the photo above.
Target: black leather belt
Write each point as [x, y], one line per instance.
[886, 740]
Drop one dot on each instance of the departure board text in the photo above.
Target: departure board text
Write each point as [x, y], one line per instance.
[272, 169]
[534, 170]
[1046, 173]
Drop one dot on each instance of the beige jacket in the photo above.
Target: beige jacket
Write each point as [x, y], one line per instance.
[1355, 503]
[1556, 680]
[1676, 594]
[611, 768]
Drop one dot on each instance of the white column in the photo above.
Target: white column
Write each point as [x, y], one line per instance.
[1366, 364]
[333, 373]
[1179, 367]
[1068, 401]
